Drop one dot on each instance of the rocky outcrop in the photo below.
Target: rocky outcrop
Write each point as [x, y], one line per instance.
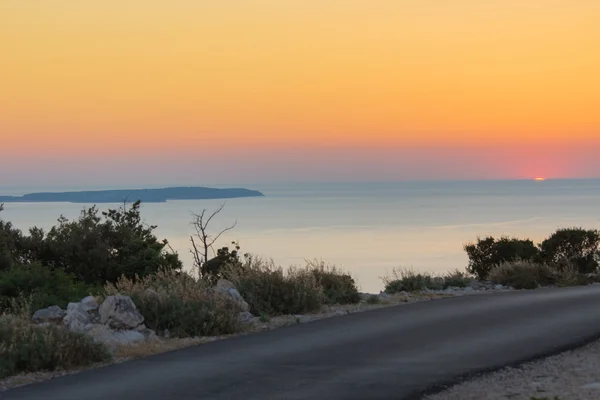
[115, 322]
[227, 289]
[119, 312]
[81, 314]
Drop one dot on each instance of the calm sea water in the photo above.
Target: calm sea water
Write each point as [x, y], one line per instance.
[366, 228]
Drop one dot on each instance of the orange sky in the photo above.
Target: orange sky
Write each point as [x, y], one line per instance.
[89, 80]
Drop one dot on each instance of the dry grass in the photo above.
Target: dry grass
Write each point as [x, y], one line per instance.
[26, 347]
[186, 306]
[270, 290]
[339, 287]
[523, 274]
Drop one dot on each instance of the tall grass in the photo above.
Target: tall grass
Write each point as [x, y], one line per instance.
[338, 286]
[270, 290]
[25, 347]
[180, 303]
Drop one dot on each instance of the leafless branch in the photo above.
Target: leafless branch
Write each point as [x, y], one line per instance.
[202, 241]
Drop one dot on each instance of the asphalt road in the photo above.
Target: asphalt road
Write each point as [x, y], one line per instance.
[390, 353]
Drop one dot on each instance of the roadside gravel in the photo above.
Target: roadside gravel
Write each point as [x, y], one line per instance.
[572, 375]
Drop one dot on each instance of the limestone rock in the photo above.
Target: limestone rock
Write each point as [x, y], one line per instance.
[81, 314]
[113, 339]
[228, 290]
[51, 314]
[119, 312]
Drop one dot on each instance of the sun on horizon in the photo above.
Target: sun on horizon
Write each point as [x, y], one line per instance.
[539, 178]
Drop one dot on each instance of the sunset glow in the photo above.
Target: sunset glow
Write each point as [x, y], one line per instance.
[540, 179]
[374, 89]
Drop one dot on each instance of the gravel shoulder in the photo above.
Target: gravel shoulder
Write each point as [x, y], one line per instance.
[570, 375]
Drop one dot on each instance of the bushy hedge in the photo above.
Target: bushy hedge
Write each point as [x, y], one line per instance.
[489, 252]
[95, 248]
[42, 286]
[566, 247]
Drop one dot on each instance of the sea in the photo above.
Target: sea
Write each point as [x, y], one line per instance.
[367, 229]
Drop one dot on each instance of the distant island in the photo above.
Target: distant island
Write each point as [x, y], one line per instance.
[145, 195]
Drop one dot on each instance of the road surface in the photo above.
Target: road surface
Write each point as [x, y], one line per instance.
[390, 353]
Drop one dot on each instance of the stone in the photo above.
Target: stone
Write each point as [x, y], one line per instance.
[469, 289]
[246, 317]
[112, 339]
[89, 304]
[499, 287]
[81, 314]
[119, 312]
[226, 289]
[51, 314]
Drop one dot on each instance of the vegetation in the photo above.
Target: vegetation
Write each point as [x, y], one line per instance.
[338, 287]
[95, 249]
[575, 246]
[523, 274]
[180, 303]
[489, 252]
[567, 257]
[44, 287]
[407, 280]
[30, 348]
[271, 290]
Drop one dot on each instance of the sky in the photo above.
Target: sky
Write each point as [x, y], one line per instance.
[204, 91]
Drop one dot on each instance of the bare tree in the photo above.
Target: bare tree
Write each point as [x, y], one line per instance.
[203, 241]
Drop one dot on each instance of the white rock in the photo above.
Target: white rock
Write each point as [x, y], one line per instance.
[499, 287]
[231, 293]
[50, 314]
[79, 315]
[119, 312]
[89, 304]
[112, 339]
[469, 289]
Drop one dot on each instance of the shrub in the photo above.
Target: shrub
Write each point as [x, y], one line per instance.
[42, 286]
[29, 348]
[373, 299]
[457, 278]
[489, 252]
[410, 281]
[180, 303]
[523, 274]
[338, 287]
[575, 246]
[98, 248]
[269, 290]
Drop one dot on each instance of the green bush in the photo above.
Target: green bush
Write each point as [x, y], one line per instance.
[373, 299]
[523, 274]
[489, 252]
[42, 286]
[575, 246]
[338, 287]
[29, 348]
[174, 300]
[269, 290]
[98, 248]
